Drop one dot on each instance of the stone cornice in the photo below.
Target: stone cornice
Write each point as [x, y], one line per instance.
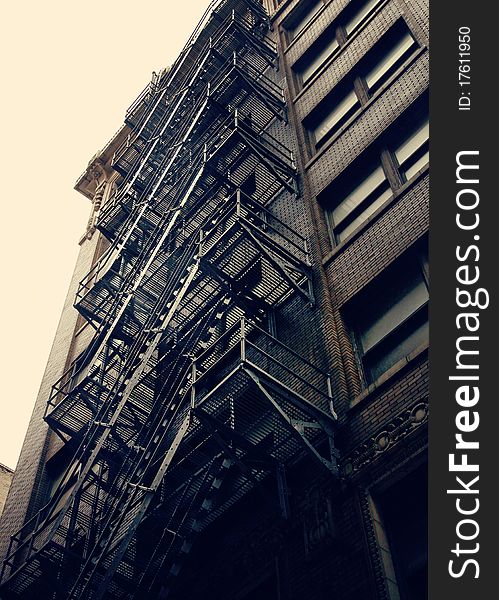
[99, 168]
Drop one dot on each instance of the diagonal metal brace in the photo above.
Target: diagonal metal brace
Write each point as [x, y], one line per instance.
[331, 465]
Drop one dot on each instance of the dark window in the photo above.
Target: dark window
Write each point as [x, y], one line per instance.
[404, 511]
[387, 56]
[390, 316]
[301, 17]
[356, 13]
[335, 36]
[317, 55]
[340, 106]
[365, 186]
[412, 153]
[358, 201]
[356, 89]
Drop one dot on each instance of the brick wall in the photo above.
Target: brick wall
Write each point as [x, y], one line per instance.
[328, 544]
[6, 475]
[29, 486]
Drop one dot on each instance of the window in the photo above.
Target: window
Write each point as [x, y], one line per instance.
[358, 12]
[359, 203]
[390, 316]
[413, 153]
[335, 36]
[302, 17]
[365, 186]
[389, 59]
[317, 55]
[342, 109]
[393, 50]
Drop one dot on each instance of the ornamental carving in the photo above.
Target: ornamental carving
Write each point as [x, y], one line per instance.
[96, 206]
[97, 171]
[392, 433]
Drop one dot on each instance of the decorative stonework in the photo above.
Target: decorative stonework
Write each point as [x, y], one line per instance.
[374, 553]
[98, 180]
[96, 205]
[392, 433]
[103, 192]
[97, 172]
[319, 529]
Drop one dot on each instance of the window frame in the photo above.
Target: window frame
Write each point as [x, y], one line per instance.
[307, 60]
[298, 16]
[336, 229]
[380, 154]
[336, 31]
[421, 151]
[370, 364]
[340, 94]
[355, 80]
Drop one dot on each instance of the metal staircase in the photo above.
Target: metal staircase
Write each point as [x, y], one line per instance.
[184, 401]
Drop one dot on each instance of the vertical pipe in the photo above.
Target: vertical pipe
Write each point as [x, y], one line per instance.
[243, 341]
[238, 203]
[193, 386]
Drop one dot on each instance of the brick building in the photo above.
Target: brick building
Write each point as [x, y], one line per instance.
[238, 407]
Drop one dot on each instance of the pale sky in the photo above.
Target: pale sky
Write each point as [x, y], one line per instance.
[69, 70]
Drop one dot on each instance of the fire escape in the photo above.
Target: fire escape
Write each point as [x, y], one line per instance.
[185, 400]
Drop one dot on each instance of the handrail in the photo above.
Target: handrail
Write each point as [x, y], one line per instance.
[244, 326]
[288, 369]
[263, 140]
[190, 45]
[289, 349]
[271, 215]
[234, 202]
[195, 35]
[190, 76]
